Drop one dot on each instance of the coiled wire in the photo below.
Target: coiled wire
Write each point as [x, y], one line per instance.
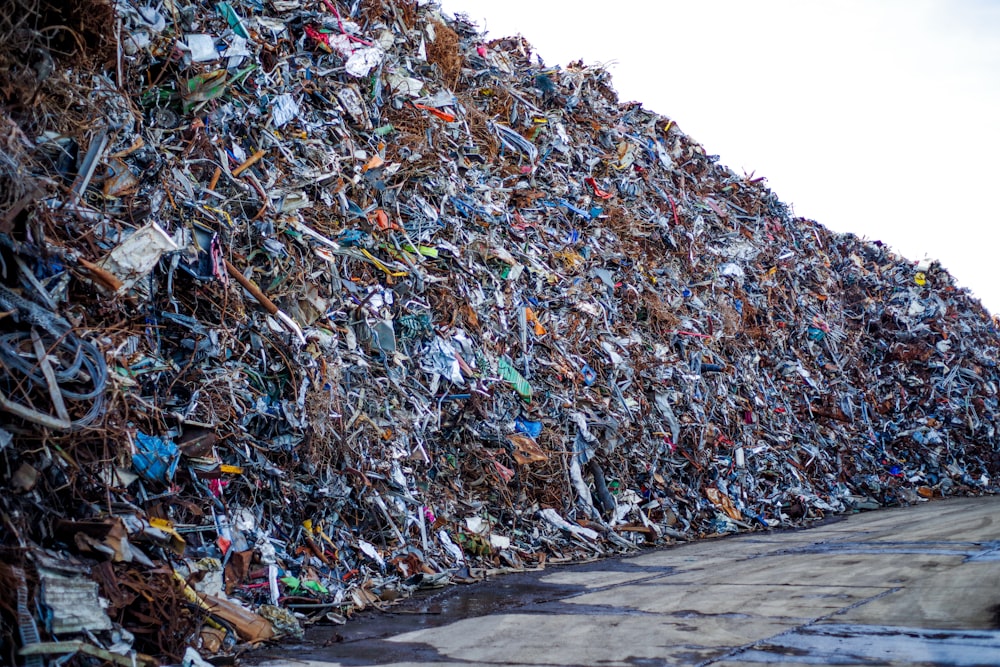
[80, 370]
[83, 378]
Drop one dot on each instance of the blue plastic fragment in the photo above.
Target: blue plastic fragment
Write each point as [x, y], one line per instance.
[815, 334]
[156, 458]
[352, 237]
[522, 425]
[579, 211]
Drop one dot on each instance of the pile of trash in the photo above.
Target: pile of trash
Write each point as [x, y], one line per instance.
[308, 305]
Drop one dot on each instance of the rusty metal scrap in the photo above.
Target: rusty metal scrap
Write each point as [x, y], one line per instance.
[306, 306]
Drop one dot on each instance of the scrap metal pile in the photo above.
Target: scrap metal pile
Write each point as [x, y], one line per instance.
[308, 304]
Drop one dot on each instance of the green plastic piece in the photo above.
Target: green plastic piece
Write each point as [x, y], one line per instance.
[510, 374]
[426, 251]
[315, 587]
[227, 12]
[205, 87]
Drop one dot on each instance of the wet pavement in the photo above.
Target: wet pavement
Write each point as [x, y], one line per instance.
[907, 586]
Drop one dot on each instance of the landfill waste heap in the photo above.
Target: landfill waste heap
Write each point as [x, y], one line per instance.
[307, 305]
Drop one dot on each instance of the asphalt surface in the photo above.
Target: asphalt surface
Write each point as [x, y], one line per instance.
[908, 586]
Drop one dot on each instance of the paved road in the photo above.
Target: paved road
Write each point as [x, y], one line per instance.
[909, 586]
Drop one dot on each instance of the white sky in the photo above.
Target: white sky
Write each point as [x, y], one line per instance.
[878, 117]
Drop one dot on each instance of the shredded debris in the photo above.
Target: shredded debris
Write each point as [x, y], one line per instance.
[308, 305]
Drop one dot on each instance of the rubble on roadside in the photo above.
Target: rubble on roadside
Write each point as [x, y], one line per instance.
[308, 305]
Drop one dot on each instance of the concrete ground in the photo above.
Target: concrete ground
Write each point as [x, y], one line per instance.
[907, 586]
